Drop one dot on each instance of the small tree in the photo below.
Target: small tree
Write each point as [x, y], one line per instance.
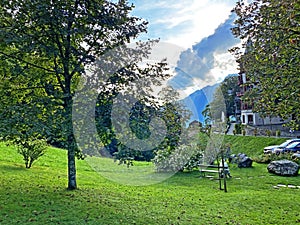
[31, 149]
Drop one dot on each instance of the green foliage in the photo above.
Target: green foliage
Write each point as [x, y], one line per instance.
[226, 94]
[268, 132]
[46, 47]
[238, 128]
[218, 105]
[184, 157]
[31, 149]
[270, 34]
[255, 131]
[267, 158]
[243, 132]
[278, 133]
[140, 116]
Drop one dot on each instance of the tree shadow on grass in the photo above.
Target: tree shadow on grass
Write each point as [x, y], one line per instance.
[13, 167]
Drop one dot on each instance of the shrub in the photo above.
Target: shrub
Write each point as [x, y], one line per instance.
[268, 132]
[278, 133]
[244, 132]
[267, 158]
[238, 128]
[234, 132]
[184, 157]
[31, 149]
[255, 131]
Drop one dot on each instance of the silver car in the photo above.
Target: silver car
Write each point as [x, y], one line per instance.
[278, 148]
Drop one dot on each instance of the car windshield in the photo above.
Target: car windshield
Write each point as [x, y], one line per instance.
[286, 143]
[294, 144]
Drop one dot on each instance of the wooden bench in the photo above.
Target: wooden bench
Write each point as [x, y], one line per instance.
[204, 169]
[216, 169]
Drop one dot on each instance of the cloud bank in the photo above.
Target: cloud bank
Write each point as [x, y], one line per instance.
[208, 61]
[182, 22]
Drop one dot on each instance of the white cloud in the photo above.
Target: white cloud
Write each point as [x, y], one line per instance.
[183, 22]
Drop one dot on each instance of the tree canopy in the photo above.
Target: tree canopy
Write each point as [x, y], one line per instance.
[224, 97]
[270, 32]
[45, 49]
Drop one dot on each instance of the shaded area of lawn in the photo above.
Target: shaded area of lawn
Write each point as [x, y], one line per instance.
[39, 196]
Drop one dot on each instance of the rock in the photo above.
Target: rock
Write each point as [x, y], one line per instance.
[241, 159]
[283, 168]
[245, 162]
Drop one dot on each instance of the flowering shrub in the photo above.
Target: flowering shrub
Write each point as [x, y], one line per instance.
[184, 157]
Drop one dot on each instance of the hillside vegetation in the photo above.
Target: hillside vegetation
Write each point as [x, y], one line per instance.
[250, 145]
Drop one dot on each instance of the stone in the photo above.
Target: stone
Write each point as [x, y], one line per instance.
[283, 168]
[245, 162]
[241, 159]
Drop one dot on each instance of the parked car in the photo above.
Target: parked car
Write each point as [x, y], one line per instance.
[293, 147]
[269, 149]
[278, 148]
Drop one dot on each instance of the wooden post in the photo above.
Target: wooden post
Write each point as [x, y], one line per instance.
[224, 175]
[220, 179]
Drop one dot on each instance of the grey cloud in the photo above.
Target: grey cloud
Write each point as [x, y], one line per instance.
[197, 63]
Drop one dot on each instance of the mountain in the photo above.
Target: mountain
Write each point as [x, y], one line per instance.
[197, 101]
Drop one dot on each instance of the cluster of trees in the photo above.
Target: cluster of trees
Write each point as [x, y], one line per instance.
[224, 98]
[270, 56]
[45, 49]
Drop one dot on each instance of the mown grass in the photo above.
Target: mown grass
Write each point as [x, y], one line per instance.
[251, 145]
[39, 196]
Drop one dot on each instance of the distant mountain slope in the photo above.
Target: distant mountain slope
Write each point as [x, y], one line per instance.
[197, 101]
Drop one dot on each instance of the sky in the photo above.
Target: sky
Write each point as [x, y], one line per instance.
[195, 34]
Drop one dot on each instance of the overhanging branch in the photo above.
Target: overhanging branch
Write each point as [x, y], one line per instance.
[26, 62]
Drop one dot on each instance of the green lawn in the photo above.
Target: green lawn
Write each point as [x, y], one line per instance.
[251, 145]
[39, 196]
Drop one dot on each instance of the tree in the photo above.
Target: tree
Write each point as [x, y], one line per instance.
[47, 45]
[31, 149]
[270, 58]
[229, 89]
[166, 107]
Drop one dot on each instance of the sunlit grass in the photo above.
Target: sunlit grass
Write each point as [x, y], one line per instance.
[39, 196]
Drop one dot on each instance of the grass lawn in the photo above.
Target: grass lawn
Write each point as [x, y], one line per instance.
[39, 196]
[250, 145]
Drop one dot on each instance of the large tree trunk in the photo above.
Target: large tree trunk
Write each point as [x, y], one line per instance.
[71, 168]
[71, 143]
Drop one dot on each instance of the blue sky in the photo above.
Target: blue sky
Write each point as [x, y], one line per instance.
[197, 27]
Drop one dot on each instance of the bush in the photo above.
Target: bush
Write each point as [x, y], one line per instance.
[31, 149]
[184, 157]
[267, 158]
[255, 131]
[244, 132]
[238, 128]
[278, 133]
[268, 132]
